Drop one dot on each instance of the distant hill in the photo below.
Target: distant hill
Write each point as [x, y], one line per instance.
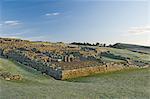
[132, 47]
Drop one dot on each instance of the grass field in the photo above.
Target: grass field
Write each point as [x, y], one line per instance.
[131, 84]
[127, 53]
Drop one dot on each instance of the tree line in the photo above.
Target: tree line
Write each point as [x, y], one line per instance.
[90, 44]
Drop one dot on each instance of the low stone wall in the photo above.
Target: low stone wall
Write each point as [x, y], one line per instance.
[39, 66]
[1, 52]
[67, 74]
[55, 73]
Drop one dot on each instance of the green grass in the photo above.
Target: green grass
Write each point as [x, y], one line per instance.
[107, 59]
[127, 53]
[44, 43]
[132, 84]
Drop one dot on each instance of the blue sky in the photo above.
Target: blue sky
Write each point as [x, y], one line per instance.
[101, 21]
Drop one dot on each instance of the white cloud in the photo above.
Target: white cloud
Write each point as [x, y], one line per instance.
[1, 25]
[37, 38]
[52, 14]
[12, 23]
[139, 30]
[11, 34]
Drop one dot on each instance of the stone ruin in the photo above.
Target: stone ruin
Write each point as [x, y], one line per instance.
[9, 76]
[59, 60]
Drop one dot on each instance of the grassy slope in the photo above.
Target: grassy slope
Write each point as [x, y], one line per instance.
[133, 47]
[127, 53]
[126, 84]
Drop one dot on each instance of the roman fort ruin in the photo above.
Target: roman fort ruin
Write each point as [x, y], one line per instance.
[63, 61]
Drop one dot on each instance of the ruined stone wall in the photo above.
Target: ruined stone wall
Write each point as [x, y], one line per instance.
[67, 74]
[1, 52]
[56, 73]
[38, 65]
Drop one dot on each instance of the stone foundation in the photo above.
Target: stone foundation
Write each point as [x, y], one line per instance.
[60, 74]
[67, 74]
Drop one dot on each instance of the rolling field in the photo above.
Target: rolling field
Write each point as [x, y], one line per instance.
[131, 84]
[127, 53]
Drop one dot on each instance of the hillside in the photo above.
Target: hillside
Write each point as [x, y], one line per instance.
[34, 85]
[134, 48]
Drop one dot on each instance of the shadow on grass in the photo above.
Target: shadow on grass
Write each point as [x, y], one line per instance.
[28, 70]
[24, 67]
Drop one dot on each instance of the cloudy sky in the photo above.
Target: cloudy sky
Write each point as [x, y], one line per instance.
[105, 21]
